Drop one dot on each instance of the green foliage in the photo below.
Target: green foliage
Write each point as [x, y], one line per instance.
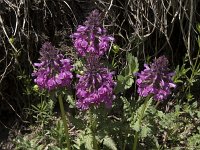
[115, 48]
[84, 139]
[194, 141]
[134, 116]
[125, 79]
[25, 143]
[78, 67]
[171, 124]
[43, 112]
[180, 74]
[109, 143]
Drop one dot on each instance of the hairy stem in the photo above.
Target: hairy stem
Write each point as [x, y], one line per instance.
[140, 122]
[93, 129]
[65, 121]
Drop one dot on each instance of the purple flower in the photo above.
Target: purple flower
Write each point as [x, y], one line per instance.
[92, 38]
[53, 71]
[156, 80]
[95, 87]
[91, 42]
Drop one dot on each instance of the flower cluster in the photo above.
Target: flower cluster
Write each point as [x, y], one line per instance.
[53, 71]
[94, 88]
[91, 42]
[156, 80]
[91, 38]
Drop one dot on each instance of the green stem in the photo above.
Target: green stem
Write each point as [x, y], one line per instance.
[125, 141]
[140, 121]
[158, 102]
[135, 141]
[93, 129]
[65, 121]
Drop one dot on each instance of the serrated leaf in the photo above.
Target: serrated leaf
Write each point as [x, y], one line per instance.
[194, 104]
[71, 101]
[120, 84]
[132, 65]
[127, 108]
[160, 114]
[128, 82]
[77, 143]
[120, 78]
[145, 130]
[123, 83]
[40, 147]
[109, 143]
[136, 126]
[140, 113]
[88, 142]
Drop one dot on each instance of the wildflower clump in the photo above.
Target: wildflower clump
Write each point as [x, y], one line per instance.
[96, 85]
[156, 80]
[53, 70]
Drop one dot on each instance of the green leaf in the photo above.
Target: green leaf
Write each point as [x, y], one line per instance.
[128, 82]
[125, 79]
[109, 143]
[140, 114]
[198, 27]
[71, 101]
[160, 114]
[198, 41]
[136, 126]
[123, 83]
[145, 130]
[180, 73]
[132, 65]
[79, 141]
[41, 147]
[88, 142]
[120, 84]
[115, 48]
[198, 115]
[11, 40]
[194, 141]
[127, 108]
[120, 78]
